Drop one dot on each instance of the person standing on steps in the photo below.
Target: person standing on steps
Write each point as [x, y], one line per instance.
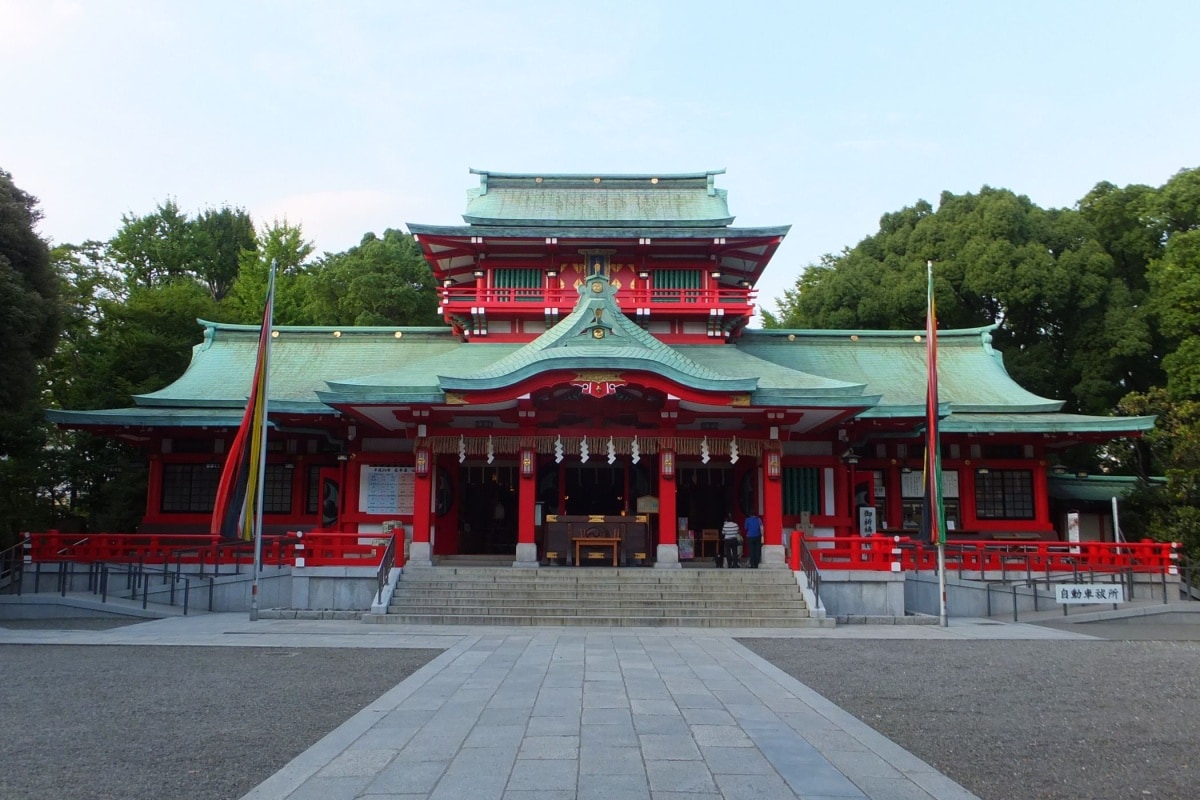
[730, 534]
[754, 539]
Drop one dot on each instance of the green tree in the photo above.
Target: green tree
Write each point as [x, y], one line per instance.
[222, 237]
[284, 245]
[155, 248]
[1066, 326]
[29, 322]
[381, 281]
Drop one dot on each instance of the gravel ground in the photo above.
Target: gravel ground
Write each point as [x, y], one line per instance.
[1053, 720]
[196, 722]
[1069, 720]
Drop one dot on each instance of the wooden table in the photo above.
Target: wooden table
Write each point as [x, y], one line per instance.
[599, 541]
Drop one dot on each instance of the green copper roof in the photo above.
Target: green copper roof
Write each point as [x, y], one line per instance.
[150, 417]
[1094, 488]
[596, 335]
[1042, 423]
[303, 359]
[882, 372]
[511, 199]
[971, 375]
[595, 231]
[778, 385]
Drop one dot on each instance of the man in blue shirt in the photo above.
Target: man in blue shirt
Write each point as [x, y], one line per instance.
[754, 538]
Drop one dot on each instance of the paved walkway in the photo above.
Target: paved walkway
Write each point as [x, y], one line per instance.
[542, 713]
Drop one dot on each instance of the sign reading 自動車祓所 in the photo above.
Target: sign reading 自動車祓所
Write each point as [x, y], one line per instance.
[1089, 593]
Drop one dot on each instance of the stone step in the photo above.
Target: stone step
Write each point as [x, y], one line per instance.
[513, 610]
[732, 600]
[584, 590]
[783, 621]
[624, 597]
[597, 576]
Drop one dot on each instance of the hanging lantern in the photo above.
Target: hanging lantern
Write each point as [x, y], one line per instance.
[666, 463]
[773, 464]
[526, 463]
[422, 461]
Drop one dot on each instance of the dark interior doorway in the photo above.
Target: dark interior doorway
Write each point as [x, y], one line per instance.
[487, 509]
[704, 495]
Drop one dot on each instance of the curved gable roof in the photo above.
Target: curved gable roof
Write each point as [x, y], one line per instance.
[892, 364]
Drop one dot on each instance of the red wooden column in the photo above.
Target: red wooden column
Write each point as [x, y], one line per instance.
[772, 510]
[420, 553]
[154, 489]
[667, 553]
[1041, 496]
[526, 555]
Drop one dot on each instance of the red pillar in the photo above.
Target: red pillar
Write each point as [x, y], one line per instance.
[154, 488]
[422, 500]
[526, 497]
[1041, 495]
[772, 512]
[667, 516]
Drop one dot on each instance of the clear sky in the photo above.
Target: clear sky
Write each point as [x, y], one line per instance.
[350, 117]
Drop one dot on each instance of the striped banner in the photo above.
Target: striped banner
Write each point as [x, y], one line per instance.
[238, 494]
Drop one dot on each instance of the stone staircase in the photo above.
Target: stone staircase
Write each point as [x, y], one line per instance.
[600, 596]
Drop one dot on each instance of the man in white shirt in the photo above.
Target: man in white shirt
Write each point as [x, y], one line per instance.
[729, 539]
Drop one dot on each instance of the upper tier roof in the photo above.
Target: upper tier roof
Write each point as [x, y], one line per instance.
[513, 200]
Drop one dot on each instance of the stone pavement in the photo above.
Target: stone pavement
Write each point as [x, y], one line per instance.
[546, 713]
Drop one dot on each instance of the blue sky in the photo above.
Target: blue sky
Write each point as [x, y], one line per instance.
[359, 116]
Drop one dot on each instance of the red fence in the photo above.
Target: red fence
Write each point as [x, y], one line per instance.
[903, 554]
[311, 549]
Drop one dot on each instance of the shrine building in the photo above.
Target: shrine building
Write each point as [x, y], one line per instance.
[597, 369]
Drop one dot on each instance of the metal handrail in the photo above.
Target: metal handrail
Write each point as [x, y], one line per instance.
[811, 571]
[386, 564]
[12, 566]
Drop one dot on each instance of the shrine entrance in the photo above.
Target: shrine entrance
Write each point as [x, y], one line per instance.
[597, 489]
[705, 494]
[487, 508]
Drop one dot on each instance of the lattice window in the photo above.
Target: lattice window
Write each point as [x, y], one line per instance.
[677, 285]
[801, 490]
[1004, 494]
[277, 489]
[189, 488]
[312, 501]
[524, 285]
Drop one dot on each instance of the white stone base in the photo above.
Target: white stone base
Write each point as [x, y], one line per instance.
[773, 557]
[526, 556]
[420, 554]
[667, 557]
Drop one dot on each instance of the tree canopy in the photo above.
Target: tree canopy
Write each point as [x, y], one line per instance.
[29, 324]
[1097, 305]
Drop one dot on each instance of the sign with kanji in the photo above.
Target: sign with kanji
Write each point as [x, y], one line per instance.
[866, 521]
[1089, 593]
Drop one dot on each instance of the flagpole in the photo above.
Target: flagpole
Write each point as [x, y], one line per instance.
[938, 524]
[262, 454]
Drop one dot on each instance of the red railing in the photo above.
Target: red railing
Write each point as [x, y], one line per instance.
[312, 548]
[567, 298]
[903, 554]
